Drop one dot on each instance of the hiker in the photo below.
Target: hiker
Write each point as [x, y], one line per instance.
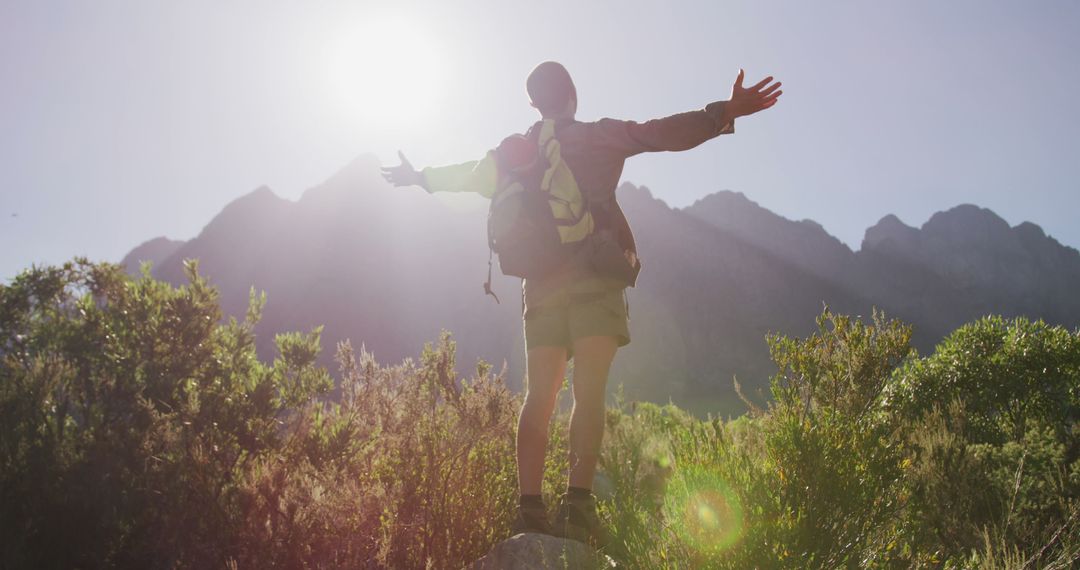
[579, 311]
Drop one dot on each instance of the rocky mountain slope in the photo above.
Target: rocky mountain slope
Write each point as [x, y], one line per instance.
[389, 268]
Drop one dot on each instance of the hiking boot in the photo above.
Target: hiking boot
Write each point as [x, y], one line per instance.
[576, 519]
[531, 518]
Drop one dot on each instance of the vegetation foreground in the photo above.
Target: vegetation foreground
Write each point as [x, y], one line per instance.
[139, 429]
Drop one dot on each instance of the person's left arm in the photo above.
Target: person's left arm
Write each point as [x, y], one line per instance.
[687, 130]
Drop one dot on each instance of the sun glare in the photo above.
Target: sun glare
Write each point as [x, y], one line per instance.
[387, 72]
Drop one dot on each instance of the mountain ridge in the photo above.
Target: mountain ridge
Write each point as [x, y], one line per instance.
[391, 267]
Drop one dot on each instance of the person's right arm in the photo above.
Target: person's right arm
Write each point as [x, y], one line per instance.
[474, 176]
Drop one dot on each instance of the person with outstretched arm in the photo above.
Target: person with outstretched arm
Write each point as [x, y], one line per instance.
[577, 312]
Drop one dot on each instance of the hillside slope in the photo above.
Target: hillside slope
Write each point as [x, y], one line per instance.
[389, 268]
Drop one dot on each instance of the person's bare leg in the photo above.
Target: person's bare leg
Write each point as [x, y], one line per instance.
[546, 365]
[592, 361]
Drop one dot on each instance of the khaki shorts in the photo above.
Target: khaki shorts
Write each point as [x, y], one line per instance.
[595, 314]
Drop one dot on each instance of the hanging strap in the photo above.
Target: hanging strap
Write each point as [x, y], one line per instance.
[487, 284]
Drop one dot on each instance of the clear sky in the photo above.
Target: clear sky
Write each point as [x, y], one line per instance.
[123, 121]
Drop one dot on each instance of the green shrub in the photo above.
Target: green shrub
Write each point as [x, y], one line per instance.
[126, 411]
[861, 460]
[813, 481]
[994, 419]
[139, 429]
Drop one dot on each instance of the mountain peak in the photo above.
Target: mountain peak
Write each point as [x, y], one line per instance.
[890, 230]
[256, 200]
[630, 195]
[734, 209]
[154, 250]
[802, 243]
[726, 198]
[361, 172]
[262, 193]
[1028, 230]
[629, 188]
[967, 223]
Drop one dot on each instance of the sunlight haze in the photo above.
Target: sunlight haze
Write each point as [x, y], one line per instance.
[388, 71]
[128, 120]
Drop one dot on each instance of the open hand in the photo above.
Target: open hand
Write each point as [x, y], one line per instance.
[404, 174]
[749, 100]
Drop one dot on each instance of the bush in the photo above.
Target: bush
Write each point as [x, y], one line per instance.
[867, 457]
[994, 422]
[813, 481]
[139, 429]
[126, 414]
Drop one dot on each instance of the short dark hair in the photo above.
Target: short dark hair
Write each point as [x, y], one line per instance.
[550, 87]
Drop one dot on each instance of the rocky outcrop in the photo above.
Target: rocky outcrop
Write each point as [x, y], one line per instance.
[532, 551]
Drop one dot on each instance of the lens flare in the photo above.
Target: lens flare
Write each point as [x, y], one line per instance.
[704, 511]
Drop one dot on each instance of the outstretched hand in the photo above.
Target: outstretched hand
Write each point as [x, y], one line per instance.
[749, 100]
[403, 174]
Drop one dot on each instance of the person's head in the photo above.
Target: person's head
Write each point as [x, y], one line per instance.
[552, 91]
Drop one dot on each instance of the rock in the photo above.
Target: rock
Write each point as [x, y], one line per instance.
[603, 487]
[532, 551]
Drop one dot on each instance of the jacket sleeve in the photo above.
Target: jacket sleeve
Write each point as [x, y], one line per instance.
[474, 176]
[682, 131]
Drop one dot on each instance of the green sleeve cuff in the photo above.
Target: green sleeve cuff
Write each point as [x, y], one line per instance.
[474, 176]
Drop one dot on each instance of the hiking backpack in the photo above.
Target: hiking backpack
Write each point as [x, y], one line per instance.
[538, 217]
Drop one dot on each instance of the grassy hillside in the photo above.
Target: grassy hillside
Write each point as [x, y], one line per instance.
[138, 429]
